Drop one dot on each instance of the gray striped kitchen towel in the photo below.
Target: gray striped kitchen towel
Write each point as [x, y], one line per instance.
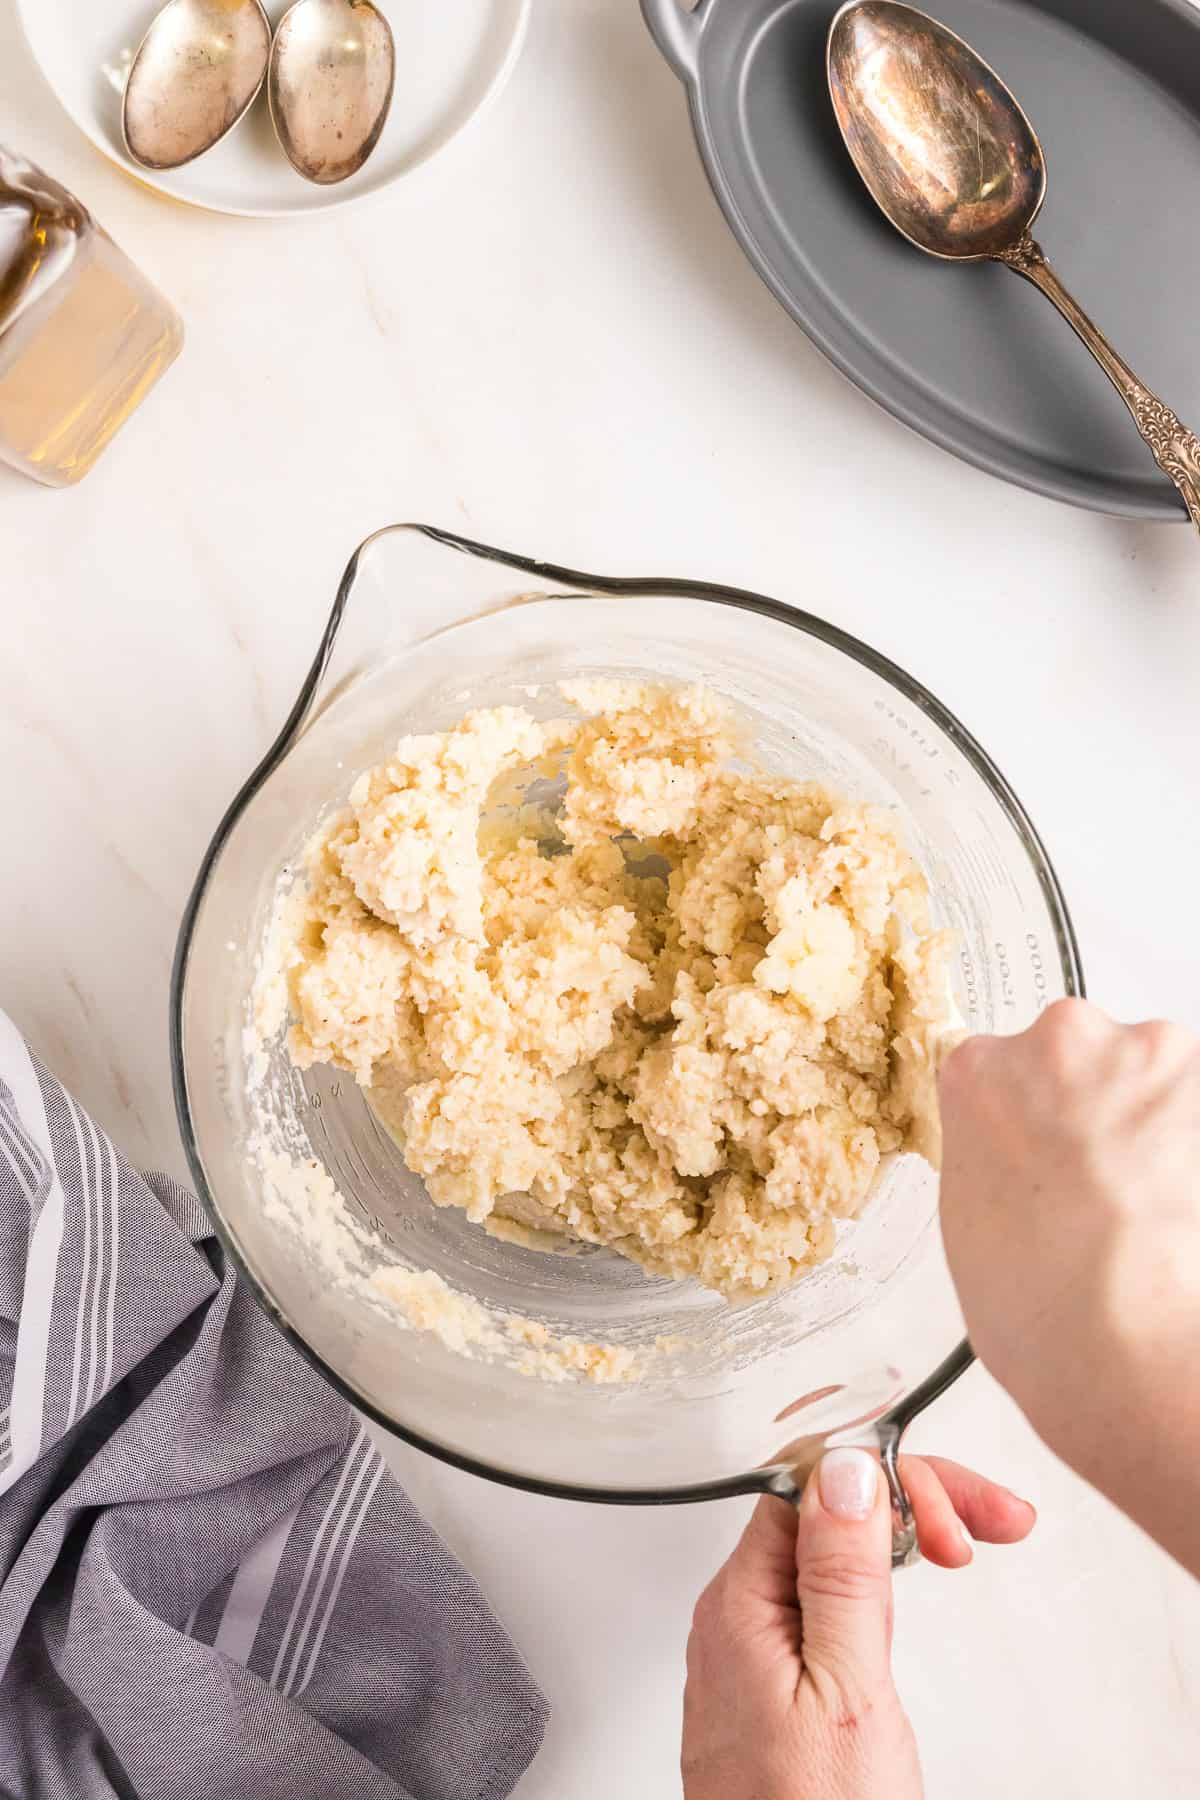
[210, 1587]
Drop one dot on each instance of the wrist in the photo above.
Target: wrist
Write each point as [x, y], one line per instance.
[1120, 1403]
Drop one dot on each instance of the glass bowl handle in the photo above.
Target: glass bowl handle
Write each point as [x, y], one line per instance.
[905, 1550]
[882, 1435]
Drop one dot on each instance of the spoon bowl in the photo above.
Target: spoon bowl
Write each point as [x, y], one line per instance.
[940, 142]
[196, 72]
[951, 160]
[330, 82]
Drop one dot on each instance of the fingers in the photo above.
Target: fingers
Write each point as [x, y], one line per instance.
[749, 1608]
[941, 1538]
[763, 1563]
[1066, 1035]
[944, 1493]
[950, 1502]
[991, 1513]
[844, 1572]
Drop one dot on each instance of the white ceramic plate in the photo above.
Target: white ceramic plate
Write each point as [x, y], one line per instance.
[452, 58]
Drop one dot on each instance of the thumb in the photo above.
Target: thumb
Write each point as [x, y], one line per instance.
[844, 1571]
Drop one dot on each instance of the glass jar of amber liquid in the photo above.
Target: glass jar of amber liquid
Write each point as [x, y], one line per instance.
[83, 335]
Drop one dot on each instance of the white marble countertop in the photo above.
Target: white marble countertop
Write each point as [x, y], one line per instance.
[548, 339]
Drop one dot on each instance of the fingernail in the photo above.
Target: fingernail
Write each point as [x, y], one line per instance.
[848, 1480]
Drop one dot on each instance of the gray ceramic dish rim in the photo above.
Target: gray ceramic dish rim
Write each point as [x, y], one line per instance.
[678, 33]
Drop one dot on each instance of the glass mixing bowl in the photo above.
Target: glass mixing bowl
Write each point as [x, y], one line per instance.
[424, 625]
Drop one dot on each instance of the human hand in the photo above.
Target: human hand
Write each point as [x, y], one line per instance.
[789, 1691]
[1071, 1217]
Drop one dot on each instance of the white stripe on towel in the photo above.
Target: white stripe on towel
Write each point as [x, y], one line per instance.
[85, 1189]
[41, 1265]
[363, 1510]
[101, 1248]
[317, 1605]
[114, 1246]
[247, 1598]
[333, 1508]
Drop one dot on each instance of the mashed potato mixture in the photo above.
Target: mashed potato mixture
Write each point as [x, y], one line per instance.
[607, 977]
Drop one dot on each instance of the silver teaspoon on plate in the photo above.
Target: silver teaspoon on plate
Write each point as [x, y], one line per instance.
[951, 160]
[332, 70]
[196, 72]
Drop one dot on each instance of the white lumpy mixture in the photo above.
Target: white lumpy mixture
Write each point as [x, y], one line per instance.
[684, 1013]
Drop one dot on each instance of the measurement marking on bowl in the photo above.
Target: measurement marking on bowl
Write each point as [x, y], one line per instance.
[910, 730]
[889, 751]
[221, 1065]
[1007, 991]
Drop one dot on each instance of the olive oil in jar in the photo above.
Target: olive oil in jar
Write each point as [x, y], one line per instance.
[83, 335]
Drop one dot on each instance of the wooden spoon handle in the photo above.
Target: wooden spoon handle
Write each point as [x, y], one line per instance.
[1176, 449]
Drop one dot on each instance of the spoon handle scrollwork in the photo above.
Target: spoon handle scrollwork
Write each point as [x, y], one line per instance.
[1176, 450]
